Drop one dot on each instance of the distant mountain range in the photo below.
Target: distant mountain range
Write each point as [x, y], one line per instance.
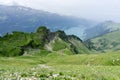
[104, 37]
[19, 18]
[101, 29]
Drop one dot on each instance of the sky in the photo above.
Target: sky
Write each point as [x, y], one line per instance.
[99, 10]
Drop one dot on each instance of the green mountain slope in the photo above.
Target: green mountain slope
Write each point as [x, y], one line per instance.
[105, 43]
[41, 42]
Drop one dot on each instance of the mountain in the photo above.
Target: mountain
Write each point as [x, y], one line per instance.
[101, 29]
[19, 18]
[42, 41]
[109, 42]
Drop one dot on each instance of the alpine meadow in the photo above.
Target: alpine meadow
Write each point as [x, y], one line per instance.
[59, 40]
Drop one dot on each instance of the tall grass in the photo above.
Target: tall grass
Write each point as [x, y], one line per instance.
[56, 66]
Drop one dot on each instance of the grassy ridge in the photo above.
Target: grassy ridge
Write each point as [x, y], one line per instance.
[20, 43]
[107, 43]
[56, 66]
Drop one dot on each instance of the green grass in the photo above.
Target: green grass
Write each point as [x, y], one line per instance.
[58, 45]
[108, 42]
[56, 66]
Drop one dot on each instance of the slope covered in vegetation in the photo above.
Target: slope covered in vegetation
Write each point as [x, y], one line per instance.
[105, 43]
[42, 41]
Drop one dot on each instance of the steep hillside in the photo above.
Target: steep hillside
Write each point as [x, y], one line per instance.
[41, 42]
[106, 43]
[19, 18]
[101, 29]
